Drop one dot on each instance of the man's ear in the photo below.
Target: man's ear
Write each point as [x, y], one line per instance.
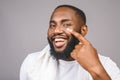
[84, 30]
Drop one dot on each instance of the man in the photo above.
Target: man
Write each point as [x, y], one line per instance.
[69, 55]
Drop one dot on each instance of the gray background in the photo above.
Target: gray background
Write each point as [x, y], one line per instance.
[24, 23]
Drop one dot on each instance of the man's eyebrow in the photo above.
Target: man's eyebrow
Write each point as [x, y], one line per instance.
[52, 21]
[62, 21]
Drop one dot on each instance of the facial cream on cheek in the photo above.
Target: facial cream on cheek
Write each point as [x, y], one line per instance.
[68, 33]
[68, 29]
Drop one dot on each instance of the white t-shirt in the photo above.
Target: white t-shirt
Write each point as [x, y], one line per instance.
[42, 66]
[71, 70]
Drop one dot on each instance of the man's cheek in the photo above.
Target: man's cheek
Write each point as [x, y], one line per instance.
[49, 36]
[68, 33]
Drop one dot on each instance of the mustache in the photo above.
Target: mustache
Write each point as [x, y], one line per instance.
[63, 36]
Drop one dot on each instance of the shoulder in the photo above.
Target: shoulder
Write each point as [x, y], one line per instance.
[32, 57]
[107, 61]
[30, 60]
[103, 59]
[110, 67]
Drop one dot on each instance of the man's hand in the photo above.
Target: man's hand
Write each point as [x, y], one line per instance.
[87, 57]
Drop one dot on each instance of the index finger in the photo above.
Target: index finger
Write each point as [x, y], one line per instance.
[77, 35]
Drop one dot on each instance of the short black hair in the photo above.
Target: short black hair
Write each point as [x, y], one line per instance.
[79, 11]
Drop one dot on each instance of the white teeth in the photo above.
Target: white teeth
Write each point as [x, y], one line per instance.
[59, 39]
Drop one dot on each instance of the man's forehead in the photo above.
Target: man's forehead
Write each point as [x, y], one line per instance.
[64, 9]
[63, 13]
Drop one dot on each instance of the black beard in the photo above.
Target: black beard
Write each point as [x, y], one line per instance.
[65, 54]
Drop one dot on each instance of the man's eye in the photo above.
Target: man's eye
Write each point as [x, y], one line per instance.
[52, 26]
[67, 25]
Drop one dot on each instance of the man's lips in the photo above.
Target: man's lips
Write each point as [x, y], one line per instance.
[58, 37]
[59, 41]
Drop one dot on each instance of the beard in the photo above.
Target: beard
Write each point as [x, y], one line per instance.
[65, 54]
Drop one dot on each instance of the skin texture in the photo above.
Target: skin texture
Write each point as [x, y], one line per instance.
[64, 21]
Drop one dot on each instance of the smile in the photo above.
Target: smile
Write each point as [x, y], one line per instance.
[59, 42]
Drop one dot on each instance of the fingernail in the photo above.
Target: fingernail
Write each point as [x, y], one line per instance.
[70, 30]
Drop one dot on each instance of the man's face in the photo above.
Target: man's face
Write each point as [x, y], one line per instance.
[58, 37]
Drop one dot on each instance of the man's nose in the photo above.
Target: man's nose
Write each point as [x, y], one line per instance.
[58, 30]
